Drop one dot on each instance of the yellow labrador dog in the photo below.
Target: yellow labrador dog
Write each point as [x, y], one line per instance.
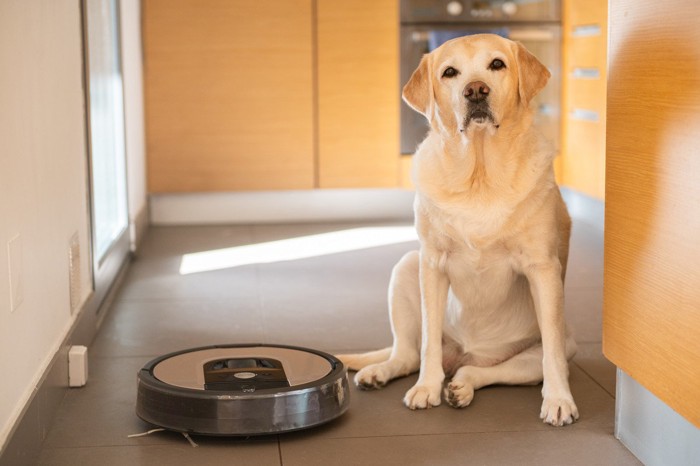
[482, 301]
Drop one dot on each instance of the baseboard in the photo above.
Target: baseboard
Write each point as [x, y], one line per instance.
[29, 432]
[650, 429]
[318, 205]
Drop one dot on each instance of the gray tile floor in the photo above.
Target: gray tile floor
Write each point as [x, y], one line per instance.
[334, 303]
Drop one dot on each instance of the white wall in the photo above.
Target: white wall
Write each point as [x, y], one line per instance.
[43, 193]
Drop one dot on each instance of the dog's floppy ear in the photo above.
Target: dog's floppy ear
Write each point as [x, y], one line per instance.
[532, 75]
[417, 92]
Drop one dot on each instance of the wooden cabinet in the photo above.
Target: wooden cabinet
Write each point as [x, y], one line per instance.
[582, 165]
[358, 93]
[228, 87]
[281, 94]
[651, 318]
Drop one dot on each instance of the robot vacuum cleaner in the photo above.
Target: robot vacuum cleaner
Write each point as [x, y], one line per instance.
[242, 390]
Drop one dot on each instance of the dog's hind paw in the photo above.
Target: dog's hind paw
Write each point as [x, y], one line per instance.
[559, 411]
[459, 394]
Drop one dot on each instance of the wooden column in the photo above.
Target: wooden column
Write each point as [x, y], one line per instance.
[651, 326]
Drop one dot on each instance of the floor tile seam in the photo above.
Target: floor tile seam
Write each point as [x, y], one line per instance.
[193, 299]
[280, 438]
[589, 342]
[612, 395]
[84, 447]
[153, 356]
[124, 356]
[250, 302]
[151, 444]
[279, 450]
[563, 430]
[99, 355]
[351, 437]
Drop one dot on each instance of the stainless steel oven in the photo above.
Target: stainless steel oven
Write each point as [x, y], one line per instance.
[426, 24]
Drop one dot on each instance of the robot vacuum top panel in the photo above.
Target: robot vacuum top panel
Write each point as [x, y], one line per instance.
[213, 368]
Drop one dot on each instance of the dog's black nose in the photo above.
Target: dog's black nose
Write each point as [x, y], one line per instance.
[476, 91]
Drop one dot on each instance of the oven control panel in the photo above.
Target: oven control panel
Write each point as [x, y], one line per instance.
[424, 11]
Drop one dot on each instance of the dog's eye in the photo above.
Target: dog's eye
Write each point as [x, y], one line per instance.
[449, 72]
[497, 64]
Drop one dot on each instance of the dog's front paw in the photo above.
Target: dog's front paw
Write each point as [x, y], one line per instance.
[371, 377]
[422, 396]
[459, 394]
[559, 411]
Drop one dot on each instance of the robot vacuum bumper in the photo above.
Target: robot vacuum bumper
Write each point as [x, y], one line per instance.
[242, 390]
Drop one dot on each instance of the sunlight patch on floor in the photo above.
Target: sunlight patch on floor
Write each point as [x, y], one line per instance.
[302, 247]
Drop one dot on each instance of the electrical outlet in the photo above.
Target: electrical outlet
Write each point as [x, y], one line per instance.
[16, 266]
[74, 272]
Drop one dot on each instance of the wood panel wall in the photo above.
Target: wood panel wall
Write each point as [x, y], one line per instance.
[228, 90]
[582, 165]
[651, 322]
[358, 93]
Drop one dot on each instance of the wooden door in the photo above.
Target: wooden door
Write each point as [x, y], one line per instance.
[651, 327]
[358, 93]
[228, 89]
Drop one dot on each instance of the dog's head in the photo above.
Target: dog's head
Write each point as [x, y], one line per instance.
[474, 82]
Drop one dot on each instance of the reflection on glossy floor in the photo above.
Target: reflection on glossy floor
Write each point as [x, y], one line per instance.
[332, 300]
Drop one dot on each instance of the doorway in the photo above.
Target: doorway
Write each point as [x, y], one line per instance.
[106, 142]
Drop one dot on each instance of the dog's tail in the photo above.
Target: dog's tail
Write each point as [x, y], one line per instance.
[355, 362]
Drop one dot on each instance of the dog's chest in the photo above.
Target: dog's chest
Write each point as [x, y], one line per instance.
[463, 225]
[468, 241]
